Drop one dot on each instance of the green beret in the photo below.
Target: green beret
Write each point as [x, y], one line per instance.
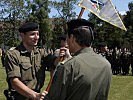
[77, 23]
[29, 26]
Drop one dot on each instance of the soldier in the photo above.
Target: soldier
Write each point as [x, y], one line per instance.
[26, 64]
[116, 61]
[128, 60]
[103, 49]
[86, 75]
[125, 61]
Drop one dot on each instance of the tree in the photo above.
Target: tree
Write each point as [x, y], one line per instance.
[12, 12]
[128, 21]
[105, 32]
[66, 12]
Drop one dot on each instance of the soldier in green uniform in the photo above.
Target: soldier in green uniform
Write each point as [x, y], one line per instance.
[86, 75]
[103, 49]
[125, 60]
[26, 64]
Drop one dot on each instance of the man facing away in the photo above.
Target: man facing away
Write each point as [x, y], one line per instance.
[86, 75]
[26, 64]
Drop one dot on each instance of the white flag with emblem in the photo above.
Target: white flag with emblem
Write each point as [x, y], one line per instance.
[105, 10]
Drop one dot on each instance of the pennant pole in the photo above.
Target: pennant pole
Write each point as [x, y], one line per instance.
[81, 13]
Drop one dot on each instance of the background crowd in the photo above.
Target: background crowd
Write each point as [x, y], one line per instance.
[120, 58]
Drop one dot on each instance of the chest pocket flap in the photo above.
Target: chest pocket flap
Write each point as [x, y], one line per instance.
[26, 70]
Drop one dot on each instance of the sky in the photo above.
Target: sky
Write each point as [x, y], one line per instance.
[121, 6]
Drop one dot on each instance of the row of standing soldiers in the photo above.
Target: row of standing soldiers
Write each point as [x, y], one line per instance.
[120, 60]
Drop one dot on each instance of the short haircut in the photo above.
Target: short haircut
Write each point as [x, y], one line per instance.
[83, 34]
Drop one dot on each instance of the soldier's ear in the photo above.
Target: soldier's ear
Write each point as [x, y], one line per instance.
[73, 38]
[22, 35]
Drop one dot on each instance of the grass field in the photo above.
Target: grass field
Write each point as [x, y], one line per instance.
[121, 86]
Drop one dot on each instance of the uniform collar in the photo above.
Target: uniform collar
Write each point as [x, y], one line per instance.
[23, 49]
[84, 50]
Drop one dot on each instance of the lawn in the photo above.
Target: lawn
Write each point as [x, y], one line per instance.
[121, 86]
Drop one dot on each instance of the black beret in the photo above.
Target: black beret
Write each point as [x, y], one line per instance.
[77, 23]
[29, 26]
[62, 37]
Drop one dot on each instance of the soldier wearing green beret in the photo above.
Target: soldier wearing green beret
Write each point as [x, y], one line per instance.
[86, 75]
[26, 65]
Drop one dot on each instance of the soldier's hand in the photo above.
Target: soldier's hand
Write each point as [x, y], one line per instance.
[36, 96]
[43, 94]
[64, 52]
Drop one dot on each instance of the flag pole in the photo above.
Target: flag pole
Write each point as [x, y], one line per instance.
[81, 13]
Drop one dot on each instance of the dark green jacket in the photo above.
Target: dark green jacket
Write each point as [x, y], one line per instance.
[86, 76]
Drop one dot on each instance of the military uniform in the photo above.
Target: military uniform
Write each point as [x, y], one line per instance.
[116, 62]
[29, 67]
[85, 76]
[125, 56]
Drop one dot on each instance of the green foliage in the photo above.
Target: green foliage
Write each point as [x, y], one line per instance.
[66, 9]
[12, 13]
[128, 21]
[58, 30]
[66, 12]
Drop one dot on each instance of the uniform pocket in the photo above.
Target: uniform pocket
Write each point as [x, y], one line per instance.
[26, 71]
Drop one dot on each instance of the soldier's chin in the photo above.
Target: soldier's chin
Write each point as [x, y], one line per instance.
[35, 44]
